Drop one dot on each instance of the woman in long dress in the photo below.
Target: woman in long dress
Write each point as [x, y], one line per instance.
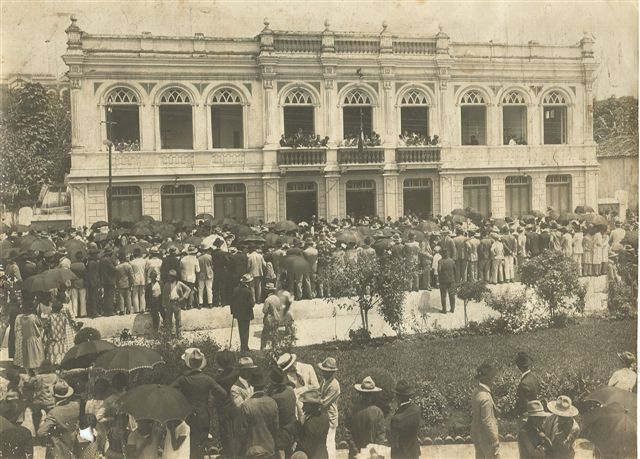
[59, 334]
[32, 340]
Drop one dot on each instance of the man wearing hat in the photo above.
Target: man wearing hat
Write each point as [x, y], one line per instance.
[366, 424]
[109, 279]
[330, 394]
[313, 427]
[484, 425]
[626, 377]
[529, 383]
[175, 296]
[169, 262]
[198, 388]
[92, 281]
[532, 441]
[59, 427]
[561, 427]
[405, 424]
[446, 242]
[241, 390]
[497, 259]
[205, 277]
[64, 261]
[272, 316]
[309, 279]
[447, 280]
[256, 267]
[138, 266]
[301, 376]
[242, 303]
[282, 393]
[260, 421]
[189, 270]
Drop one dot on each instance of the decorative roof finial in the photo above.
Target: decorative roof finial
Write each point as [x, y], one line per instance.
[326, 24]
[384, 26]
[440, 28]
[266, 23]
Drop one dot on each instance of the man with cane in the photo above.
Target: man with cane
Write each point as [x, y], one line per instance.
[242, 303]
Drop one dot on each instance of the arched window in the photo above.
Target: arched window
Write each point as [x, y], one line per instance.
[298, 112]
[518, 195]
[178, 203]
[414, 113]
[514, 118]
[230, 201]
[476, 193]
[126, 203]
[554, 105]
[357, 114]
[176, 119]
[473, 118]
[123, 118]
[227, 119]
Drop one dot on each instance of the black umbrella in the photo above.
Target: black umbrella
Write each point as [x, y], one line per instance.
[612, 429]
[84, 354]
[156, 402]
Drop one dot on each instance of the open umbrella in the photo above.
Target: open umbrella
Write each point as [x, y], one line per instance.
[253, 240]
[285, 225]
[537, 213]
[566, 217]
[20, 228]
[142, 231]
[156, 402]
[6, 247]
[204, 217]
[296, 264]
[43, 245]
[552, 213]
[612, 429]
[147, 218]
[229, 222]
[584, 210]
[458, 212]
[417, 234]
[243, 230]
[84, 354]
[99, 224]
[428, 226]
[24, 242]
[609, 395]
[48, 280]
[210, 240]
[74, 246]
[457, 218]
[128, 358]
[364, 231]
[167, 245]
[253, 221]
[348, 237]
[273, 239]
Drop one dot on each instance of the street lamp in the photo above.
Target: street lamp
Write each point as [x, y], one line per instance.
[109, 144]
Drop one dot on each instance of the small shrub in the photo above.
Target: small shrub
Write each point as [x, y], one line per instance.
[433, 405]
[518, 313]
[86, 334]
[621, 302]
[504, 392]
[360, 335]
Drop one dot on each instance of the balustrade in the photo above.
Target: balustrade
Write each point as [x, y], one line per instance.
[366, 156]
[299, 157]
[418, 155]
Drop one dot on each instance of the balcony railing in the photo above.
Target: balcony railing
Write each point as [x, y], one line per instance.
[366, 156]
[414, 47]
[297, 44]
[302, 157]
[418, 155]
[357, 45]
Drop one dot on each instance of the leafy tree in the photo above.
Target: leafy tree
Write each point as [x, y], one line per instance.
[370, 283]
[555, 279]
[615, 126]
[35, 141]
[471, 291]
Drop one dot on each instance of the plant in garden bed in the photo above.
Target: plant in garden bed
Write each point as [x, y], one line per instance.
[368, 284]
[555, 279]
[471, 291]
[518, 313]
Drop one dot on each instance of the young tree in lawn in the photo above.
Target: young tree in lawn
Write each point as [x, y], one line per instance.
[370, 283]
[35, 141]
[471, 291]
[555, 279]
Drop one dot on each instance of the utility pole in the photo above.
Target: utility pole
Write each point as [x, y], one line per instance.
[109, 144]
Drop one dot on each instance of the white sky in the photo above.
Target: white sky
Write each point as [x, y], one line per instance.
[32, 32]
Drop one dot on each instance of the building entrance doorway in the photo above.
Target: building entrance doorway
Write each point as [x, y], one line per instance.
[302, 201]
[418, 197]
[361, 198]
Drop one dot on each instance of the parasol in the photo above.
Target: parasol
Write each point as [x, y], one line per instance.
[417, 234]
[612, 429]
[285, 225]
[459, 212]
[48, 280]
[128, 358]
[156, 402]
[74, 246]
[584, 210]
[43, 245]
[24, 242]
[243, 230]
[204, 217]
[296, 264]
[99, 224]
[608, 395]
[84, 354]
[348, 237]
[253, 221]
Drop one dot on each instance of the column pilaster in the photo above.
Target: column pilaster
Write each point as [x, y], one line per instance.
[271, 193]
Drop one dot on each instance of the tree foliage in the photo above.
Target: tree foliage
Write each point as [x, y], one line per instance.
[370, 283]
[555, 279]
[35, 140]
[615, 126]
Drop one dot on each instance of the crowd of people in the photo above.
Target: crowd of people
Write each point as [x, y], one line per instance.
[303, 139]
[284, 410]
[412, 139]
[368, 140]
[209, 266]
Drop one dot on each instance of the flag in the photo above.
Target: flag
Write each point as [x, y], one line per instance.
[361, 136]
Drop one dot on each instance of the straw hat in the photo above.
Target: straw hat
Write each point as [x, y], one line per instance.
[193, 355]
[563, 407]
[404, 388]
[286, 360]
[246, 278]
[246, 363]
[311, 396]
[536, 410]
[367, 385]
[62, 390]
[627, 357]
[328, 364]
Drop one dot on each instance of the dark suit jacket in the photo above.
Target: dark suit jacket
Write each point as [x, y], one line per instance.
[197, 387]
[93, 274]
[527, 391]
[242, 303]
[238, 266]
[312, 436]
[447, 243]
[365, 426]
[447, 271]
[168, 263]
[545, 241]
[403, 433]
[220, 262]
[108, 272]
[285, 398]
[533, 243]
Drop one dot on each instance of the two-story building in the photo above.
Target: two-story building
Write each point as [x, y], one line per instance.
[197, 121]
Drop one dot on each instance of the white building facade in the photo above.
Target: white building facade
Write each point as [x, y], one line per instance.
[197, 122]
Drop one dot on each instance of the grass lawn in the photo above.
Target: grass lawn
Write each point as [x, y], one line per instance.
[586, 351]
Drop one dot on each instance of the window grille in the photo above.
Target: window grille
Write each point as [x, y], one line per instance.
[517, 180]
[357, 97]
[301, 186]
[558, 178]
[122, 96]
[175, 96]
[229, 188]
[414, 97]
[226, 96]
[298, 96]
[361, 185]
[417, 183]
[476, 181]
[554, 98]
[472, 97]
[513, 98]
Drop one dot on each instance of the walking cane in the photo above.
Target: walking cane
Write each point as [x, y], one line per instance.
[231, 335]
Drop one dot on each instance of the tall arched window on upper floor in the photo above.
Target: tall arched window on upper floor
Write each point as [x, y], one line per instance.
[554, 106]
[227, 119]
[298, 112]
[122, 107]
[176, 119]
[473, 118]
[514, 118]
[414, 113]
[357, 112]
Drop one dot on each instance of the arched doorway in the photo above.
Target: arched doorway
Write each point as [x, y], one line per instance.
[417, 195]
